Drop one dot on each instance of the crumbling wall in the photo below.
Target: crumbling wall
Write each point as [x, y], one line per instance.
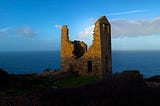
[79, 49]
[94, 61]
[71, 51]
[106, 57]
[93, 54]
[100, 50]
[66, 45]
[95, 48]
[67, 48]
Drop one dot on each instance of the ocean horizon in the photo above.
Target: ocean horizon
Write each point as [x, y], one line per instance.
[23, 62]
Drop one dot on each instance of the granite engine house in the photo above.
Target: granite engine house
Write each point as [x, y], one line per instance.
[95, 60]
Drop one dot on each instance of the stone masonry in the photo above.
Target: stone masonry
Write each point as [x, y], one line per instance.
[96, 61]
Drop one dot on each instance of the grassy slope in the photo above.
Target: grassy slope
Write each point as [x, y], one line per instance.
[29, 83]
[76, 80]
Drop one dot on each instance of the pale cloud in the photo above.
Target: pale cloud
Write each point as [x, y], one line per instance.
[133, 28]
[4, 31]
[126, 28]
[86, 33]
[21, 31]
[127, 12]
[123, 28]
[57, 26]
[92, 20]
[25, 31]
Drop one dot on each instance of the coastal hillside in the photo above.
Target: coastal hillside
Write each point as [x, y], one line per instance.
[128, 88]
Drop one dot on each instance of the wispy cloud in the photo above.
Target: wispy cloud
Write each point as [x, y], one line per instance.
[132, 28]
[126, 28]
[92, 20]
[25, 31]
[127, 12]
[58, 26]
[3, 31]
[86, 33]
[18, 31]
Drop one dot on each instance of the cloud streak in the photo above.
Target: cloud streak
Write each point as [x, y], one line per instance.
[86, 33]
[18, 31]
[127, 12]
[121, 28]
[58, 26]
[25, 31]
[4, 31]
[133, 28]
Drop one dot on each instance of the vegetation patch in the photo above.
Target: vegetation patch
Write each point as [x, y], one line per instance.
[76, 81]
[19, 84]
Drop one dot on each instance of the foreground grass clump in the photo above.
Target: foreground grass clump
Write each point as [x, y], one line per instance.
[76, 80]
[128, 88]
[14, 85]
[21, 84]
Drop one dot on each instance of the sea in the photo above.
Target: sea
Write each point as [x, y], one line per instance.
[147, 62]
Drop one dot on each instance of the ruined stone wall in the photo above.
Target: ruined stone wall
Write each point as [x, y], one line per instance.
[66, 45]
[75, 57]
[94, 52]
[79, 49]
[70, 51]
[106, 60]
[80, 66]
[101, 46]
[94, 61]
[66, 48]
[95, 48]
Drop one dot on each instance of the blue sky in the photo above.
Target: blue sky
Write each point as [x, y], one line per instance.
[31, 25]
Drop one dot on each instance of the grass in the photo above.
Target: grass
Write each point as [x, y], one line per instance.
[76, 80]
[14, 92]
[29, 83]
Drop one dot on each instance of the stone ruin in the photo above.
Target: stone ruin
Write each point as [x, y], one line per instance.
[94, 61]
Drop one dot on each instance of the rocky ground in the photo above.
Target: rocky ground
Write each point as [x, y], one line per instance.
[121, 89]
